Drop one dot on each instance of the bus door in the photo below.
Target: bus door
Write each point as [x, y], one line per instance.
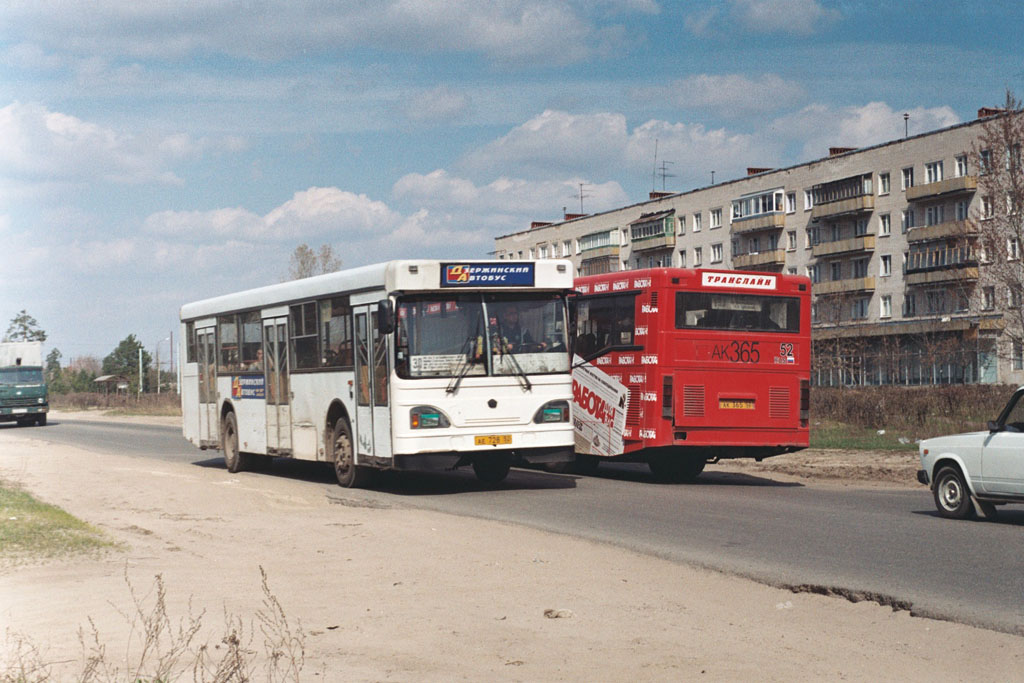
[206, 350]
[275, 370]
[373, 414]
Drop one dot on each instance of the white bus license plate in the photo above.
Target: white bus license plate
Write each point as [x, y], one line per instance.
[493, 440]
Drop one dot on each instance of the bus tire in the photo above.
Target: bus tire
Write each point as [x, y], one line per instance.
[235, 460]
[349, 474]
[675, 468]
[491, 470]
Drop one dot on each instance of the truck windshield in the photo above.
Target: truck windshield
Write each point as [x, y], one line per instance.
[21, 376]
[442, 335]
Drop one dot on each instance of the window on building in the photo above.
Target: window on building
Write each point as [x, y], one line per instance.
[987, 210]
[885, 265]
[1013, 249]
[933, 215]
[908, 178]
[542, 251]
[961, 165]
[933, 172]
[682, 258]
[567, 248]
[808, 200]
[859, 310]
[907, 220]
[1013, 157]
[984, 161]
[860, 267]
[860, 228]
[697, 220]
[961, 209]
[716, 218]
[988, 298]
[836, 268]
[596, 240]
[1015, 296]
[532, 254]
[682, 225]
[757, 205]
[812, 272]
[791, 270]
[697, 256]
[1018, 355]
[909, 305]
[791, 240]
[791, 202]
[716, 253]
[883, 183]
[752, 245]
[884, 225]
[885, 306]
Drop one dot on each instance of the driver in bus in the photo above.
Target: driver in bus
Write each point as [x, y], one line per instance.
[514, 337]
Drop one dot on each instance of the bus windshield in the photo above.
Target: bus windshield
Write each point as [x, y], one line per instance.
[448, 335]
[714, 311]
[21, 376]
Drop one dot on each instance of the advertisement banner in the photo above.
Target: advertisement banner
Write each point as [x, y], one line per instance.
[598, 410]
[487, 275]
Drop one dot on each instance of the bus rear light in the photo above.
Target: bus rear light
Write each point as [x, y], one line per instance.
[666, 396]
[552, 411]
[427, 417]
[805, 402]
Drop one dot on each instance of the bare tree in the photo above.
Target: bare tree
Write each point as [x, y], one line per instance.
[305, 262]
[999, 221]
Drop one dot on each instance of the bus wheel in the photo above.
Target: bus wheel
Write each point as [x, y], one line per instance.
[675, 468]
[347, 472]
[491, 470]
[235, 460]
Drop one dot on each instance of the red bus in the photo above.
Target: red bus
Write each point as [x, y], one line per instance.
[716, 365]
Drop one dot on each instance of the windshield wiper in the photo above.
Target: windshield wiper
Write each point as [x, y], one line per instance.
[468, 357]
[520, 373]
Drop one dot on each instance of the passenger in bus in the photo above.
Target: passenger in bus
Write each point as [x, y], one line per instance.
[257, 364]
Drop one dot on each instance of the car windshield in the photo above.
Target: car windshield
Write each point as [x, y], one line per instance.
[21, 376]
[441, 335]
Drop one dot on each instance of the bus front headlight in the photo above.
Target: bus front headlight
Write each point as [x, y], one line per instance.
[552, 411]
[427, 417]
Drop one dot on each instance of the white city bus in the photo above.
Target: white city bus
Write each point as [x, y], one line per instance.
[411, 364]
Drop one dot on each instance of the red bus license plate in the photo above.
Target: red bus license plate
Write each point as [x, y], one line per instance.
[736, 404]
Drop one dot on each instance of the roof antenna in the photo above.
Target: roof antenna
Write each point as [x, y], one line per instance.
[654, 173]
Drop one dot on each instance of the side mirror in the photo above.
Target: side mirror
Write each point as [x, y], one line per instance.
[385, 317]
[993, 426]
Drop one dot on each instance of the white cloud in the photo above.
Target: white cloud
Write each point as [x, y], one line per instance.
[441, 104]
[820, 126]
[539, 31]
[48, 147]
[802, 17]
[728, 95]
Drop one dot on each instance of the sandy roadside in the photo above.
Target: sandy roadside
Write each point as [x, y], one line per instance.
[390, 593]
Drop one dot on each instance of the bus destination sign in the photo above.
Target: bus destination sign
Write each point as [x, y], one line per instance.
[487, 275]
[738, 280]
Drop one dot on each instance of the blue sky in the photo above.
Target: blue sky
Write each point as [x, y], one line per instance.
[154, 153]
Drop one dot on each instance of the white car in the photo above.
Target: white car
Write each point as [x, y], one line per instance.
[970, 474]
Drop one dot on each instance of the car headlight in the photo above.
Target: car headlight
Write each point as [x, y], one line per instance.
[427, 417]
[552, 411]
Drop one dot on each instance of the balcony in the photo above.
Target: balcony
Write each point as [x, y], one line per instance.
[600, 252]
[839, 207]
[763, 222]
[966, 183]
[850, 285]
[941, 231]
[956, 273]
[656, 242]
[862, 243]
[776, 257]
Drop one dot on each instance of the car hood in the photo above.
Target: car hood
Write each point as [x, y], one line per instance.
[945, 443]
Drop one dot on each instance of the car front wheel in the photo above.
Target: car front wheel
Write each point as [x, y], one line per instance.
[952, 498]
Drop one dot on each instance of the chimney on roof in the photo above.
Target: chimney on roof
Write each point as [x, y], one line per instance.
[836, 151]
[571, 216]
[985, 112]
[539, 224]
[659, 195]
[754, 170]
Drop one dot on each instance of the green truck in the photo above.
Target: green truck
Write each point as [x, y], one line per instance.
[23, 396]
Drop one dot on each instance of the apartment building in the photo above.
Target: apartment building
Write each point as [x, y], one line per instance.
[887, 234]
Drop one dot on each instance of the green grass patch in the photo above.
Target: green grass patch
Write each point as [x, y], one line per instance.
[31, 529]
[829, 434]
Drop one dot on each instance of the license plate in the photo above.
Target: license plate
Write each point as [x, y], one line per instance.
[16, 411]
[736, 404]
[493, 440]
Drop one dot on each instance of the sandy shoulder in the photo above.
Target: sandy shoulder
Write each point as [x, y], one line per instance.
[398, 594]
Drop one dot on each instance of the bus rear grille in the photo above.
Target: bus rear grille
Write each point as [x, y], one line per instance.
[693, 400]
[778, 402]
[634, 412]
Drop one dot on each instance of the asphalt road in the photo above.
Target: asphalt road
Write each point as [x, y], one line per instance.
[882, 544]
